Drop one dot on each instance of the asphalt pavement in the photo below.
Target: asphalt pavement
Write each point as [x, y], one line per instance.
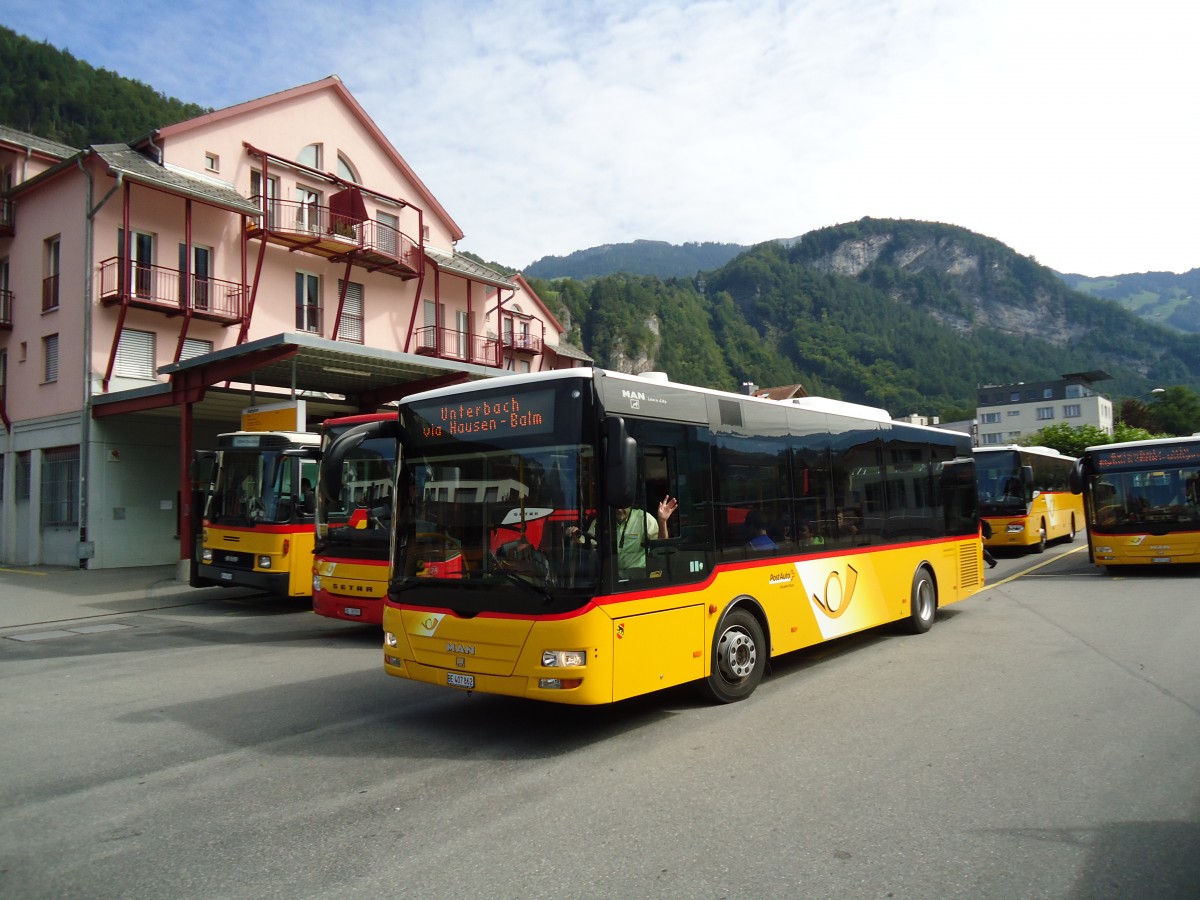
[33, 596]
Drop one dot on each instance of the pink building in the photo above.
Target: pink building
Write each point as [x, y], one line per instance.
[151, 291]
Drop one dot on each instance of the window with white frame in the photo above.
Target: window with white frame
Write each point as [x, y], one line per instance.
[1072, 411]
[387, 234]
[308, 302]
[1045, 413]
[267, 198]
[49, 358]
[52, 263]
[311, 156]
[345, 169]
[135, 354]
[1014, 412]
[993, 438]
[1048, 394]
[212, 162]
[308, 209]
[992, 418]
[1012, 436]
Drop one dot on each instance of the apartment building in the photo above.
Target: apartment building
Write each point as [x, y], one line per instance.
[1008, 412]
[280, 250]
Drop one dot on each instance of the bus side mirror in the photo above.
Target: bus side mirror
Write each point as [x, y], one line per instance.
[203, 468]
[621, 463]
[329, 475]
[1075, 478]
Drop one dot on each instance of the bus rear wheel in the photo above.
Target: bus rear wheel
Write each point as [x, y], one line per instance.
[923, 602]
[739, 656]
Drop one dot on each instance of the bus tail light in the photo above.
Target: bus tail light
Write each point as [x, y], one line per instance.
[287, 545]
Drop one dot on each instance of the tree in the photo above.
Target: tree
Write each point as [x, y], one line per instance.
[1072, 440]
[1176, 411]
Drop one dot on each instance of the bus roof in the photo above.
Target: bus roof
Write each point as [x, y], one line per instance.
[1151, 442]
[1037, 451]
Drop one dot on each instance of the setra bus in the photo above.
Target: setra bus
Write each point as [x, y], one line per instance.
[353, 528]
[1025, 496]
[515, 571]
[258, 521]
[1142, 501]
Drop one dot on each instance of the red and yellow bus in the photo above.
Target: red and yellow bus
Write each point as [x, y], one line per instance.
[1025, 496]
[258, 522]
[353, 529]
[790, 523]
[1142, 500]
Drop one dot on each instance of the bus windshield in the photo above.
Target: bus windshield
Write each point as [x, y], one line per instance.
[361, 518]
[501, 517]
[1142, 501]
[1001, 492]
[254, 487]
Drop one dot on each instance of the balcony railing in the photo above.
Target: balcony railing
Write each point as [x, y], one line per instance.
[6, 305]
[316, 229]
[447, 344]
[522, 343]
[171, 291]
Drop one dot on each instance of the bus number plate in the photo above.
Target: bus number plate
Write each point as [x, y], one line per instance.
[352, 611]
[456, 680]
[227, 576]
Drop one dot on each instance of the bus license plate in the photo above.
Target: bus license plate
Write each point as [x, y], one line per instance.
[226, 576]
[352, 611]
[456, 680]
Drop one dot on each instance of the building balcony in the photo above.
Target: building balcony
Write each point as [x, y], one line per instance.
[457, 345]
[522, 343]
[315, 229]
[172, 292]
[8, 212]
[6, 305]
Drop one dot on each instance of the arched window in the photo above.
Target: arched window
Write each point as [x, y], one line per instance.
[311, 156]
[345, 169]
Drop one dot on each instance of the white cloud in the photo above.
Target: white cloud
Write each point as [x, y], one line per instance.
[1065, 129]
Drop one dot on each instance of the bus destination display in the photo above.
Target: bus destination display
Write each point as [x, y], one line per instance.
[1162, 455]
[492, 416]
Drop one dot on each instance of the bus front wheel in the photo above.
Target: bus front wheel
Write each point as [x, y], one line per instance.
[1040, 546]
[923, 603]
[739, 656]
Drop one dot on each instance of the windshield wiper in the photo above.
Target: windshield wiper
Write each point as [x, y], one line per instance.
[517, 579]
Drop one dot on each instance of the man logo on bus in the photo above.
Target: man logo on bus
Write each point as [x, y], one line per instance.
[837, 597]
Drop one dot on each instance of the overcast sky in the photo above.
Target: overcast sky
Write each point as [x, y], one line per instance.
[1068, 129]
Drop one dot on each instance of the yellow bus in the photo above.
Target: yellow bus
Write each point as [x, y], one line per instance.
[353, 526]
[1142, 501]
[1025, 496]
[659, 534]
[258, 522]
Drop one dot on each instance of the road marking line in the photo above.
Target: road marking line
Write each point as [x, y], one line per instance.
[1040, 565]
[21, 571]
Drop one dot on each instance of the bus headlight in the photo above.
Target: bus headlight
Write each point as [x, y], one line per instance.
[389, 640]
[206, 555]
[1015, 527]
[1102, 549]
[264, 562]
[316, 583]
[564, 658]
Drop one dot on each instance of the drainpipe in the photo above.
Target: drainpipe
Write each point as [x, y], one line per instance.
[85, 425]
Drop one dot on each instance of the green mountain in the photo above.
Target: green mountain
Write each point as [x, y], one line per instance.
[1161, 297]
[642, 257]
[50, 93]
[910, 316]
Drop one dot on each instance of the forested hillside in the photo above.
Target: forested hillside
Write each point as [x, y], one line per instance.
[1164, 298]
[911, 316]
[49, 93]
[656, 258]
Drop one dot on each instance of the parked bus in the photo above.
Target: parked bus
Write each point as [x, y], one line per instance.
[258, 522]
[1025, 496]
[1141, 501]
[547, 593]
[353, 528]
